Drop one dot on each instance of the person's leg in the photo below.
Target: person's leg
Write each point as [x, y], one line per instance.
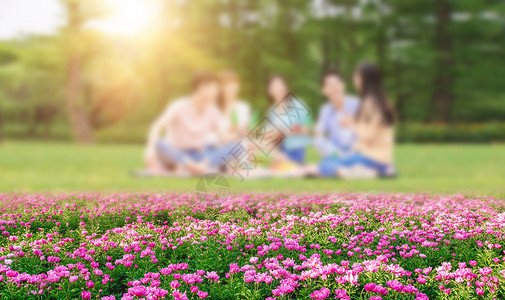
[295, 155]
[217, 156]
[330, 166]
[325, 147]
[169, 154]
[370, 163]
[360, 166]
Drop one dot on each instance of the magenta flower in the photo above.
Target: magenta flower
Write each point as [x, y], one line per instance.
[320, 294]
[160, 293]
[179, 296]
[11, 273]
[86, 295]
[212, 276]
[341, 294]
[175, 284]
[138, 291]
[369, 287]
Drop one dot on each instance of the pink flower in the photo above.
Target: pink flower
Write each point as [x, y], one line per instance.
[160, 293]
[175, 284]
[179, 296]
[138, 291]
[485, 271]
[212, 276]
[12, 273]
[321, 294]
[86, 295]
[369, 287]
[395, 285]
[341, 294]
[202, 294]
[165, 271]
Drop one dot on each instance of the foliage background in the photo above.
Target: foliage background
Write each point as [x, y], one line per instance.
[443, 60]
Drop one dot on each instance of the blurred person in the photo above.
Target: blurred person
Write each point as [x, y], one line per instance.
[374, 126]
[236, 113]
[191, 132]
[278, 114]
[333, 132]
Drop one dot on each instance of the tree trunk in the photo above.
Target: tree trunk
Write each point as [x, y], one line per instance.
[443, 96]
[285, 23]
[381, 46]
[400, 91]
[326, 63]
[79, 121]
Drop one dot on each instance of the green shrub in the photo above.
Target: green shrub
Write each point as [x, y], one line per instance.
[407, 132]
[451, 133]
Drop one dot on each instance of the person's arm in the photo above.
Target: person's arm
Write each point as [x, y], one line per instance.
[322, 121]
[349, 120]
[368, 128]
[222, 134]
[244, 119]
[154, 133]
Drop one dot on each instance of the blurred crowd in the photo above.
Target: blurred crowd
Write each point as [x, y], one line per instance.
[212, 130]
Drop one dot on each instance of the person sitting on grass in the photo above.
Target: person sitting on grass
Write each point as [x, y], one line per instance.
[374, 126]
[191, 143]
[333, 133]
[236, 113]
[291, 124]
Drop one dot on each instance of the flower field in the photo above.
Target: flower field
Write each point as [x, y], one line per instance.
[251, 246]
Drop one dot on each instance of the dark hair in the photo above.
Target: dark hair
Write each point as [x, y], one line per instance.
[225, 77]
[203, 77]
[270, 80]
[329, 73]
[371, 88]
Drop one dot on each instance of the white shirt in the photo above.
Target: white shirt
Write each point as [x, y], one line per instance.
[184, 127]
[242, 113]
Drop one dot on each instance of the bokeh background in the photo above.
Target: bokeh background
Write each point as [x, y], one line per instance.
[98, 72]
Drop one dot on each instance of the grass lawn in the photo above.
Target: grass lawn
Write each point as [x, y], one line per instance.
[448, 169]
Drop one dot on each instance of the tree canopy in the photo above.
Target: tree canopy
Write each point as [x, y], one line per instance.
[443, 59]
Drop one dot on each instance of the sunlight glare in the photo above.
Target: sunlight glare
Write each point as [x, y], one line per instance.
[129, 17]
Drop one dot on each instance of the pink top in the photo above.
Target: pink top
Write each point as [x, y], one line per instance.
[185, 127]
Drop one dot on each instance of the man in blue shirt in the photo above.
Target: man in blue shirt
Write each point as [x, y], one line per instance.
[334, 135]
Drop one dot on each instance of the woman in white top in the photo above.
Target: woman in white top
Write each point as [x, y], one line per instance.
[236, 113]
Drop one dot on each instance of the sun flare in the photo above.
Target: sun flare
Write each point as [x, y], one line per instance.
[129, 17]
